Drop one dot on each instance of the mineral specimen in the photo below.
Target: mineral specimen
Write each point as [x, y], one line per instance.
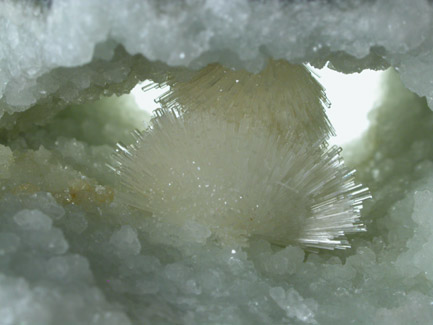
[71, 251]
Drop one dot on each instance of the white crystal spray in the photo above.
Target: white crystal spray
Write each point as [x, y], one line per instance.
[243, 155]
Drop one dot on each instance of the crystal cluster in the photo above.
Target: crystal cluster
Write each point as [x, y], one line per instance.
[246, 156]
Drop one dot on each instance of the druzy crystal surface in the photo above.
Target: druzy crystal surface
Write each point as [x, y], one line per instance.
[72, 252]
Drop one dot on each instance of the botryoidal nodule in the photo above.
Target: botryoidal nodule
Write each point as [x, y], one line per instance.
[243, 155]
